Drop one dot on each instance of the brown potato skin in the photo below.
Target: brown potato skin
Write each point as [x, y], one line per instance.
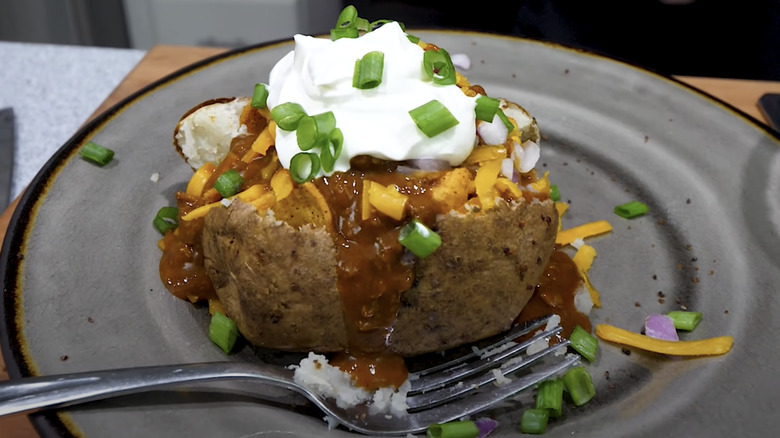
[280, 284]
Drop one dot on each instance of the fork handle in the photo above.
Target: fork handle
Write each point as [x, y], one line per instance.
[34, 393]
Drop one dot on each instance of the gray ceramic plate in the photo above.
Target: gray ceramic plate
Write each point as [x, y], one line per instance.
[81, 289]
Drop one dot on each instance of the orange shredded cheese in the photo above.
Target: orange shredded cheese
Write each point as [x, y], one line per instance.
[248, 195]
[485, 181]
[583, 258]
[561, 208]
[704, 347]
[199, 178]
[542, 185]
[566, 237]
[388, 200]
[365, 205]
[265, 139]
[281, 184]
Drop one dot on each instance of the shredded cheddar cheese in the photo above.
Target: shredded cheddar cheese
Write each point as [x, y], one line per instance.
[542, 185]
[387, 200]
[566, 237]
[583, 258]
[265, 139]
[705, 347]
[485, 181]
[281, 184]
[199, 178]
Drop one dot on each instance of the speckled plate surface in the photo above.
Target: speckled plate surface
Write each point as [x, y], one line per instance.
[79, 263]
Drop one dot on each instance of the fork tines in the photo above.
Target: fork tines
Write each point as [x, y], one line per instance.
[464, 375]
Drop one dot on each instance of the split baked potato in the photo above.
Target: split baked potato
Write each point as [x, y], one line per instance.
[275, 259]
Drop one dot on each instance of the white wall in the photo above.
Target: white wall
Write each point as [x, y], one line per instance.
[225, 23]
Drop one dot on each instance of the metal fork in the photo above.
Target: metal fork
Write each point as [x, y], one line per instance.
[443, 393]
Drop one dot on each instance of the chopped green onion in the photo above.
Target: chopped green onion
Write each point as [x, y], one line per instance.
[368, 71]
[631, 209]
[584, 343]
[96, 153]
[228, 183]
[344, 32]
[223, 332]
[362, 24]
[486, 108]
[437, 65]
[313, 131]
[555, 193]
[419, 239]
[347, 17]
[287, 115]
[453, 429]
[549, 395]
[331, 150]
[433, 118]
[685, 320]
[167, 218]
[534, 421]
[260, 96]
[579, 385]
[304, 166]
[508, 123]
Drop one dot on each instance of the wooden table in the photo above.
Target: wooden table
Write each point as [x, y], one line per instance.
[161, 60]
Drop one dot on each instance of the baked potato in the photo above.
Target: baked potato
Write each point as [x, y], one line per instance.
[277, 262]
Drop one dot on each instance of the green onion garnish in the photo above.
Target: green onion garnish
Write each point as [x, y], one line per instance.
[584, 343]
[362, 24]
[433, 118]
[579, 385]
[453, 429]
[549, 396]
[413, 38]
[167, 218]
[228, 183]
[508, 123]
[555, 193]
[486, 108]
[97, 154]
[287, 115]
[304, 166]
[313, 131]
[259, 96]
[223, 331]
[331, 150]
[631, 209]
[438, 66]
[419, 239]
[344, 32]
[685, 320]
[368, 71]
[347, 17]
[534, 421]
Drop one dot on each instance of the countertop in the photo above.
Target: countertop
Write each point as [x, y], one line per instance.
[55, 89]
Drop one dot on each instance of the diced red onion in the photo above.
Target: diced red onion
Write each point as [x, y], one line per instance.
[660, 326]
[492, 133]
[461, 60]
[486, 426]
[429, 164]
[531, 154]
[507, 168]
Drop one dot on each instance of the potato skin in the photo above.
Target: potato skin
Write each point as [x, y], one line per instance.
[280, 284]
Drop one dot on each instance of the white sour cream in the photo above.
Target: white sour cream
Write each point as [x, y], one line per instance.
[318, 76]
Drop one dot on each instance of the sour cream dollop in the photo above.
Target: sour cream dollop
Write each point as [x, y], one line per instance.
[317, 75]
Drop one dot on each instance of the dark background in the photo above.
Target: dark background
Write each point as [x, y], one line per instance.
[734, 39]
